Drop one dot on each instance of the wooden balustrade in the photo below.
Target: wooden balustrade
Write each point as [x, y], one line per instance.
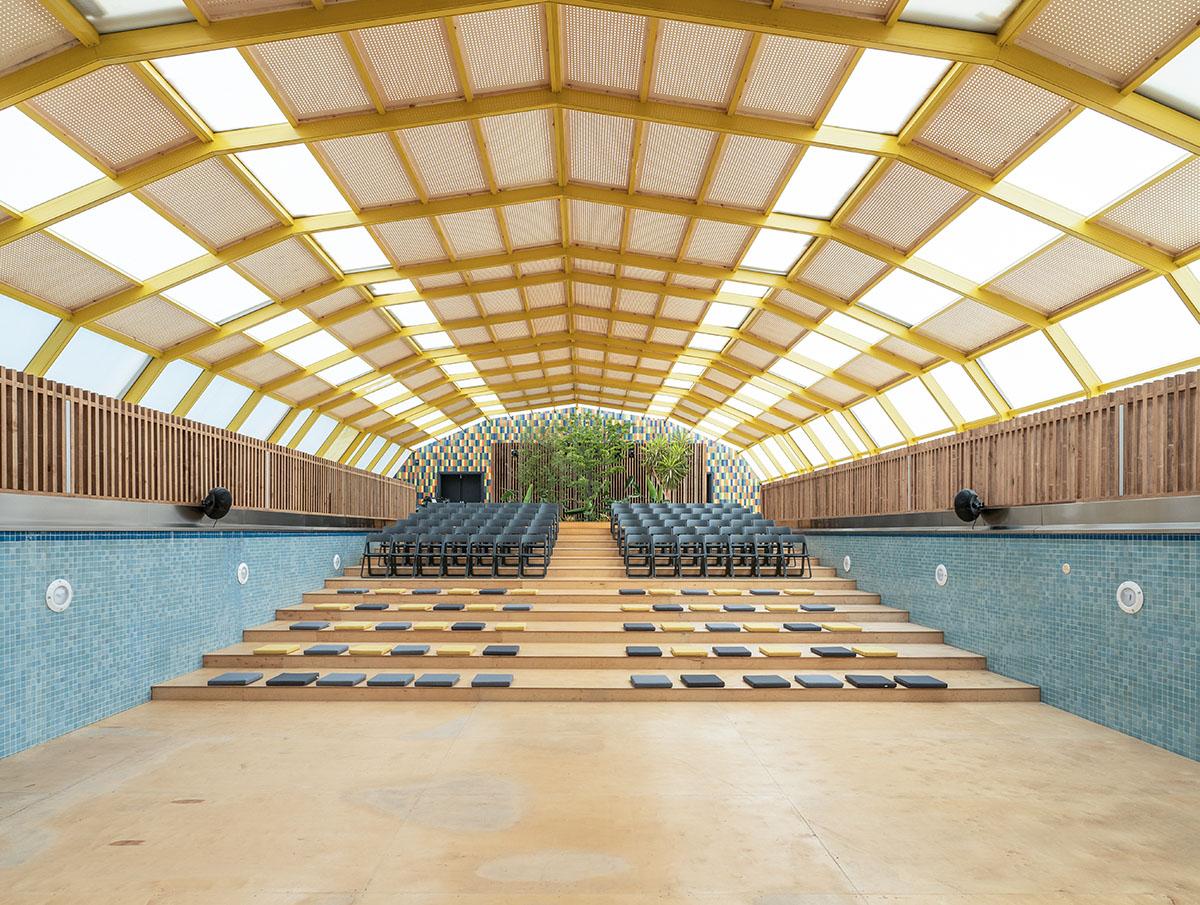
[58, 439]
[1142, 441]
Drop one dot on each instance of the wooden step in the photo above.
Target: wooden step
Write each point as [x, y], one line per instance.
[612, 584]
[582, 685]
[584, 598]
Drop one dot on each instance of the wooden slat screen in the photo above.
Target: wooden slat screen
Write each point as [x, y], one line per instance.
[1066, 454]
[59, 439]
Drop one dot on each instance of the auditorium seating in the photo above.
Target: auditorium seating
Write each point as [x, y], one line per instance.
[703, 540]
[444, 540]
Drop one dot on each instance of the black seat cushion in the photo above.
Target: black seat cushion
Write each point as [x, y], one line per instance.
[816, 607]
[235, 678]
[517, 607]
[802, 626]
[650, 682]
[437, 680]
[632, 592]
[501, 650]
[764, 592]
[371, 606]
[326, 650]
[818, 681]
[637, 650]
[290, 679]
[354, 590]
[444, 607]
[766, 681]
[695, 592]
[493, 590]
[392, 626]
[920, 682]
[410, 650]
[833, 651]
[426, 590]
[731, 651]
[468, 626]
[722, 626]
[308, 626]
[702, 680]
[860, 681]
[738, 608]
[492, 680]
[667, 608]
[390, 679]
[342, 679]
[639, 626]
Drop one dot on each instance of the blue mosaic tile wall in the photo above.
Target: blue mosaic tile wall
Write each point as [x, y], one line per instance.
[147, 606]
[1007, 598]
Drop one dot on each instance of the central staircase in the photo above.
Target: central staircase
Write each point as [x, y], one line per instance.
[572, 640]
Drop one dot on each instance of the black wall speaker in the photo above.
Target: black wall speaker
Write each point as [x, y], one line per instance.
[968, 506]
[218, 503]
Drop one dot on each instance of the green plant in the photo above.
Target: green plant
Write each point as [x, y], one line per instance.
[668, 459]
[572, 460]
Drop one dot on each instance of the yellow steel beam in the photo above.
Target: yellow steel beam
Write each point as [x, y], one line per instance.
[73, 21]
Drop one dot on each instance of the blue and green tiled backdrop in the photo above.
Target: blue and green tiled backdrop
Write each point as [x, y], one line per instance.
[1007, 598]
[147, 606]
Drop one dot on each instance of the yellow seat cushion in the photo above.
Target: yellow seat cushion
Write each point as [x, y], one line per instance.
[689, 651]
[510, 627]
[462, 592]
[430, 626]
[482, 607]
[759, 627]
[268, 650]
[347, 626]
[782, 608]
[874, 651]
[414, 607]
[529, 592]
[841, 627]
[455, 650]
[635, 608]
[780, 650]
[663, 592]
[370, 650]
[798, 592]
[331, 606]
[704, 607]
[677, 626]
[400, 591]
[728, 592]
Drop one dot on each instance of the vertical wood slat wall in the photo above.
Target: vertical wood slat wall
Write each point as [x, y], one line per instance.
[58, 439]
[1068, 454]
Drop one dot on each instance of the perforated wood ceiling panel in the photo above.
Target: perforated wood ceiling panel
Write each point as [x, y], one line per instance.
[968, 325]
[504, 48]
[285, 269]
[531, 225]
[1064, 273]
[400, 82]
[697, 63]
[28, 31]
[156, 323]
[369, 169]
[656, 233]
[841, 270]
[445, 158]
[521, 148]
[313, 76]
[603, 49]
[410, 241]
[1164, 213]
[217, 206]
[750, 171]
[904, 206]
[233, 9]
[792, 78]
[46, 268]
[599, 148]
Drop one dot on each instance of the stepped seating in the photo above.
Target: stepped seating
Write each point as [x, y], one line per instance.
[569, 637]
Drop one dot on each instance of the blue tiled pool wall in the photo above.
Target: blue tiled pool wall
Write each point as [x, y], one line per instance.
[147, 606]
[1008, 598]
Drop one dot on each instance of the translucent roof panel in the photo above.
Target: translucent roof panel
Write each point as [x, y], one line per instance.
[962, 392]
[884, 90]
[94, 362]
[34, 165]
[312, 348]
[413, 314]
[399, 408]
[108, 16]
[1029, 371]
[439, 339]
[25, 329]
[219, 402]
[984, 240]
[130, 236]
[761, 471]
[856, 328]
[823, 350]
[918, 408]
[779, 454]
[1177, 84]
[822, 181]
[382, 461]
[218, 296]
[391, 287]
[277, 326]
[806, 445]
[720, 314]
[775, 251]
[750, 290]
[345, 370]
[221, 87]
[972, 15]
[907, 298]
[293, 176]
[828, 438]
[294, 427]
[1092, 161]
[707, 342]
[851, 435]
[352, 249]
[169, 387]
[1140, 330]
[791, 372]
[877, 423]
[317, 434]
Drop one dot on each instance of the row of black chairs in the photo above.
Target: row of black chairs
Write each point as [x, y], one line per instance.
[447, 540]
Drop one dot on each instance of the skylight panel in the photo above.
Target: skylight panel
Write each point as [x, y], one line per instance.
[317, 435]
[403, 405]
[962, 392]
[1177, 84]
[822, 182]
[219, 402]
[794, 373]
[353, 249]
[856, 328]
[1092, 161]
[877, 423]
[884, 91]
[171, 385]
[293, 176]
[918, 408]
[744, 406]
[130, 236]
[34, 165]
[758, 395]
[804, 442]
[346, 370]
[1140, 330]
[676, 383]
[851, 434]
[823, 350]
[385, 395]
[787, 461]
[971, 15]
[686, 369]
[750, 290]
[774, 464]
[312, 348]
[986, 239]
[708, 342]
[412, 314]
[294, 427]
[720, 314]
[264, 419]
[907, 298]
[428, 419]
[108, 16]
[218, 296]
[221, 88]
[381, 461]
[750, 454]
[439, 339]
[277, 326]
[1028, 371]
[94, 362]
[468, 383]
[829, 439]
[25, 329]
[391, 287]
[775, 251]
